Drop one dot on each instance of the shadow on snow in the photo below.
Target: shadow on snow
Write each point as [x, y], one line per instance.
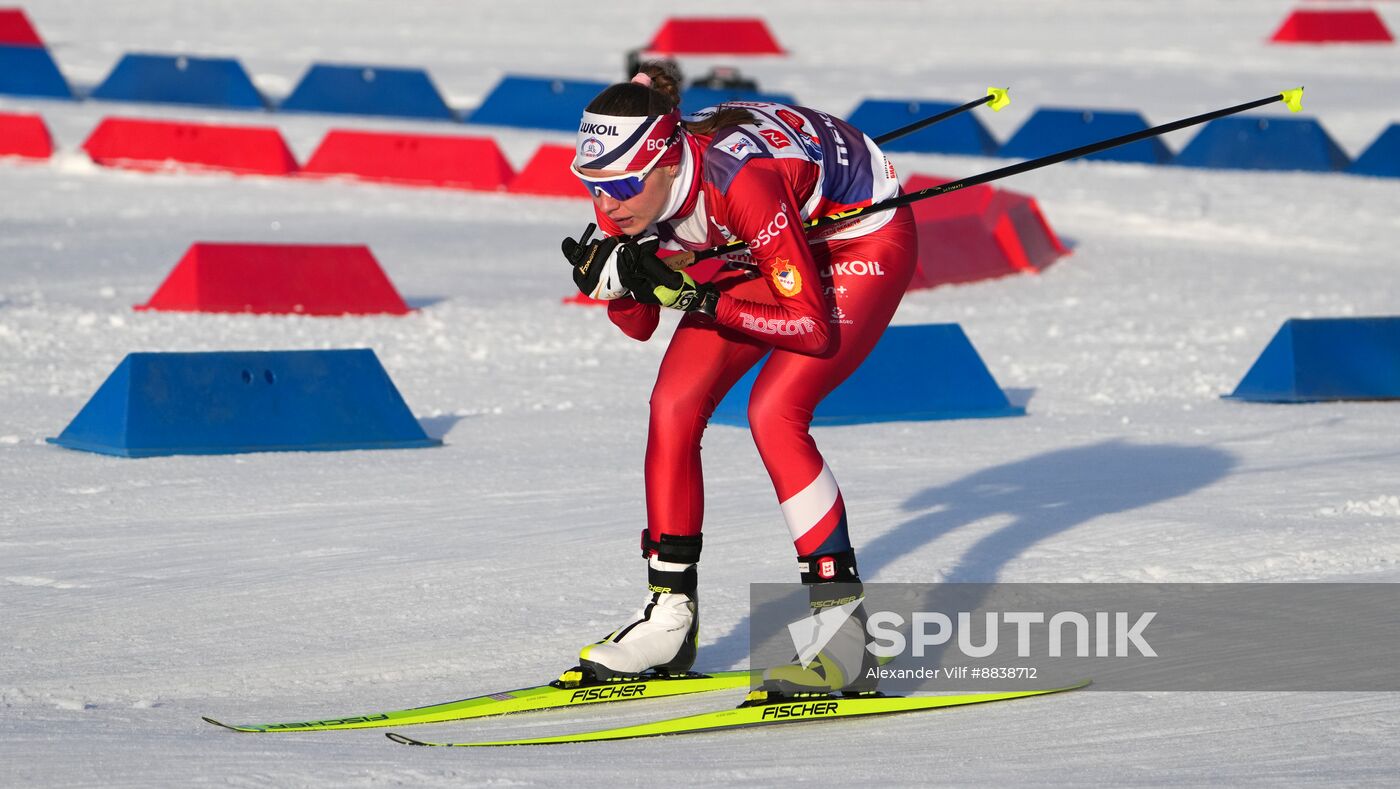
[1043, 496]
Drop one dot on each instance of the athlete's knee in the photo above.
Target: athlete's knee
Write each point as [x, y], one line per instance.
[773, 413]
[677, 406]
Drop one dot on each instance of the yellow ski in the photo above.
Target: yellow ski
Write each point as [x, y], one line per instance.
[759, 710]
[538, 697]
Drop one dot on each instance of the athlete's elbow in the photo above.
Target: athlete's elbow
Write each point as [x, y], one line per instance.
[640, 335]
[637, 321]
[817, 339]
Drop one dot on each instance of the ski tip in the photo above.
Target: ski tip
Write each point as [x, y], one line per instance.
[1293, 98]
[220, 724]
[402, 740]
[1000, 98]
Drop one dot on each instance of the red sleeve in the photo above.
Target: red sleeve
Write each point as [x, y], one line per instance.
[761, 207]
[636, 320]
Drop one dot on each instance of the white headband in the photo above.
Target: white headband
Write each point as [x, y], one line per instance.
[624, 143]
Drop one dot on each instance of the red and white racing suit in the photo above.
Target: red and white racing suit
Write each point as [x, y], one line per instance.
[819, 307]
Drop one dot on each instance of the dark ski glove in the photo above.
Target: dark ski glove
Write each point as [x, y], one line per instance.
[595, 264]
[653, 282]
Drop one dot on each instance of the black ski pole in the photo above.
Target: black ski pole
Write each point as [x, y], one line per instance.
[1293, 98]
[996, 96]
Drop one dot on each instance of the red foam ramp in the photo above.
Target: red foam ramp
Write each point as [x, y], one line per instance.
[412, 159]
[1024, 236]
[166, 145]
[304, 279]
[547, 173]
[979, 233]
[714, 36]
[24, 135]
[1325, 26]
[582, 300]
[15, 30]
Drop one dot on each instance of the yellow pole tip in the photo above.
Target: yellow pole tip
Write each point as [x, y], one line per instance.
[1294, 99]
[999, 98]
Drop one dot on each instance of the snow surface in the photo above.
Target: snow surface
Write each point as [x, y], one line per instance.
[136, 596]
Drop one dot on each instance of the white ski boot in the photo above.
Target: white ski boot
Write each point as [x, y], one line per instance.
[661, 638]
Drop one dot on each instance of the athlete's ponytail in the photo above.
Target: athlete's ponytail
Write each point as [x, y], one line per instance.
[664, 77]
[657, 93]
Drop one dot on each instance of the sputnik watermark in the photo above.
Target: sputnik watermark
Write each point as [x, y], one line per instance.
[1124, 636]
[1049, 641]
[1112, 634]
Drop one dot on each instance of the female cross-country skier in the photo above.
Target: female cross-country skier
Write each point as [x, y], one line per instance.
[752, 171]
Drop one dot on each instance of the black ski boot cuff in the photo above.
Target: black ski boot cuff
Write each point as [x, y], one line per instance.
[671, 548]
[829, 568]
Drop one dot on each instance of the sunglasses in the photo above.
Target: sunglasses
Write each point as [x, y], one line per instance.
[623, 186]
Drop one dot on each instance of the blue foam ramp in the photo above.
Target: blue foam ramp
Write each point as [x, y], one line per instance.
[695, 99]
[914, 373]
[1327, 359]
[176, 79]
[1053, 129]
[536, 103]
[1263, 143]
[30, 71]
[1382, 157]
[960, 134]
[368, 90]
[244, 401]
